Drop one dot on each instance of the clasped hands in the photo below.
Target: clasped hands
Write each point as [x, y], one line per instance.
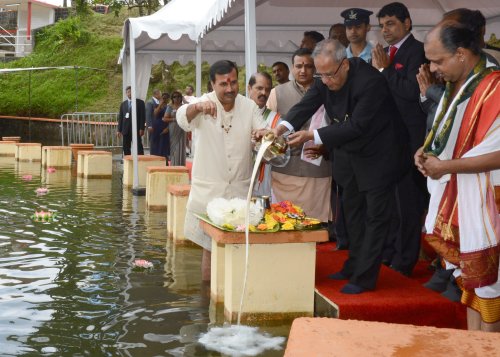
[380, 59]
[429, 165]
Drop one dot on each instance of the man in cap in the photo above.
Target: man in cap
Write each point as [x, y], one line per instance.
[357, 23]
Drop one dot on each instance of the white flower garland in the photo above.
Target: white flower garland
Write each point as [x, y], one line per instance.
[222, 211]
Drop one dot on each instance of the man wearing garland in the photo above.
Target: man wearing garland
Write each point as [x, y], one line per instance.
[222, 121]
[259, 87]
[461, 158]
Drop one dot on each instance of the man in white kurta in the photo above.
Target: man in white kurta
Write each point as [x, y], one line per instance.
[222, 122]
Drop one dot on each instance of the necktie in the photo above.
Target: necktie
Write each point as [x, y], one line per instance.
[129, 104]
[392, 52]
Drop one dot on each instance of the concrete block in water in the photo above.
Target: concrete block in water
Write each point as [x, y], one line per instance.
[158, 181]
[28, 152]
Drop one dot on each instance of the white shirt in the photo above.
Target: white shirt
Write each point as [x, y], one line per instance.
[223, 162]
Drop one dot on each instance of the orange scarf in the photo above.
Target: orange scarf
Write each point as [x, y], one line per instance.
[478, 268]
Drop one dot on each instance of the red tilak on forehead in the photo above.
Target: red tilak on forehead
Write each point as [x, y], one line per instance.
[228, 80]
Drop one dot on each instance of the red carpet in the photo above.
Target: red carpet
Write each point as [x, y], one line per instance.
[397, 299]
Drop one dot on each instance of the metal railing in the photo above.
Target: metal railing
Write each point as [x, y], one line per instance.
[92, 128]
[17, 45]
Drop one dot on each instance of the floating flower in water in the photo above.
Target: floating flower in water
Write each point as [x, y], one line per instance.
[51, 170]
[143, 264]
[27, 177]
[43, 216]
[41, 190]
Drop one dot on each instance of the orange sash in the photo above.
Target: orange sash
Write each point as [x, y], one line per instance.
[478, 268]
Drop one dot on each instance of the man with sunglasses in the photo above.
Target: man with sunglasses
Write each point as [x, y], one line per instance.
[367, 140]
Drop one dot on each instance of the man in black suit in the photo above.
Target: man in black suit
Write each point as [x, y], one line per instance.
[125, 123]
[367, 140]
[399, 64]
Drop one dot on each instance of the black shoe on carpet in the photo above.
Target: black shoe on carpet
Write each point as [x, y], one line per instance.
[452, 291]
[401, 271]
[341, 246]
[350, 288]
[338, 276]
[439, 280]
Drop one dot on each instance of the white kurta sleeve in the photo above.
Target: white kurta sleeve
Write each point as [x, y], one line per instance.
[182, 117]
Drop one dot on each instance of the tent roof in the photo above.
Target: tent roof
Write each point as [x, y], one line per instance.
[170, 34]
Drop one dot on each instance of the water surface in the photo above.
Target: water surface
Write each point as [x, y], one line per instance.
[68, 287]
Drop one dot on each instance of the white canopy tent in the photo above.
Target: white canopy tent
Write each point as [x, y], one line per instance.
[268, 31]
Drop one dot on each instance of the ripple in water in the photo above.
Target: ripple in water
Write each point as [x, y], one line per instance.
[67, 287]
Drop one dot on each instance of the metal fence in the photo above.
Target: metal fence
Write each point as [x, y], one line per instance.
[92, 128]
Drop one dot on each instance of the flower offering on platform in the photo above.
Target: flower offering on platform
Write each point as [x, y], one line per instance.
[27, 177]
[51, 170]
[43, 216]
[284, 216]
[231, 213]
[289, 217]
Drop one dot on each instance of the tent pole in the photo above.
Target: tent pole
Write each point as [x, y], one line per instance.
[250, 40]
[29, 106]
[76, 88]
[135, 185]
[198, 68]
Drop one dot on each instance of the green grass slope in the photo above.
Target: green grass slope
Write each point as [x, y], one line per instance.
[93, 41]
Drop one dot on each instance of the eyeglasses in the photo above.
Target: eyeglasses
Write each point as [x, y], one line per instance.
[329, 75]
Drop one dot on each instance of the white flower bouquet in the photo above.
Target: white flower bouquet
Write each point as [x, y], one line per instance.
[224, 212]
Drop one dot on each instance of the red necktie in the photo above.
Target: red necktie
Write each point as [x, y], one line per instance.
[392, 52]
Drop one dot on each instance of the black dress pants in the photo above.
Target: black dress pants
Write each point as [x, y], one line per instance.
[127, 143]
[338, 223]
[406, 236]
[368, 218]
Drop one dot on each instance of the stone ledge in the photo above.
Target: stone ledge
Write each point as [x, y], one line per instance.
[224, 237]
[179, 190]
[94, 152]
[56, 147]
[167, 169]
[335, 337]
[144, 158]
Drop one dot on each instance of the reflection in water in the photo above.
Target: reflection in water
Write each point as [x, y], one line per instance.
[94, 189]
[27, 168]
[67, 287]
[61, 177]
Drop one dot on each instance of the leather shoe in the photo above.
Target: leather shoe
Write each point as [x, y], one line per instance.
[401, 271]
[338, 276]
[439, 280]
[341, 247]
[351, 288]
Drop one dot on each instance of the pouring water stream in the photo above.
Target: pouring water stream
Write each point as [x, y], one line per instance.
[244, 340]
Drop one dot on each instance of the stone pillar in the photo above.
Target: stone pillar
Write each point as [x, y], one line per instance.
[158, 181]
[28, 152]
